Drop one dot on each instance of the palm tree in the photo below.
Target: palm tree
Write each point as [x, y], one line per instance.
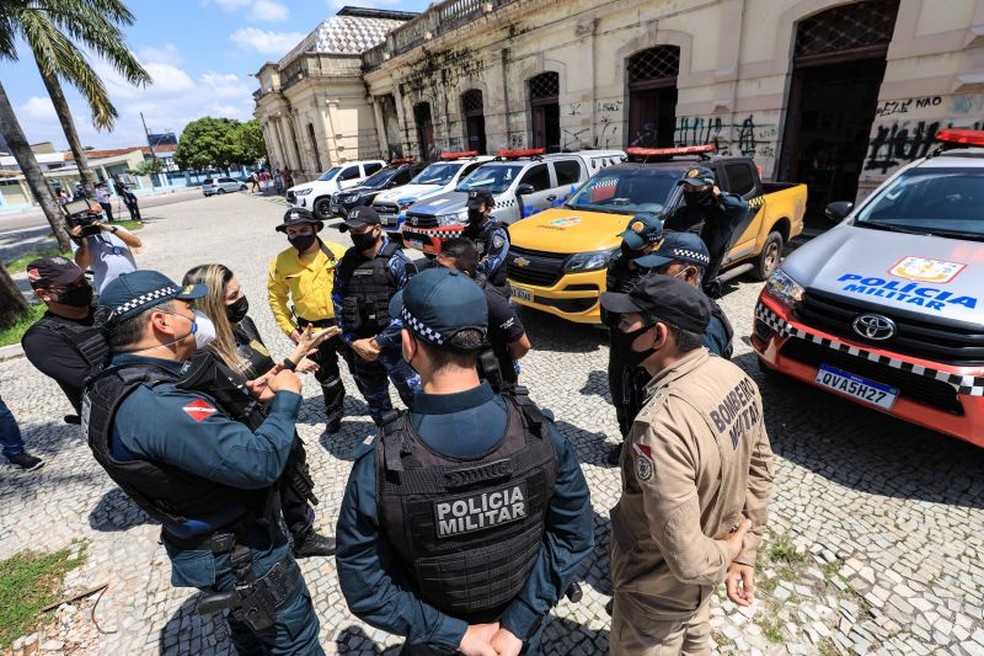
[51, 29]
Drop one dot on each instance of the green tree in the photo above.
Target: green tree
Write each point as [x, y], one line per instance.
[54, 31]
[148, 166]
[251, 142]
[209, 142]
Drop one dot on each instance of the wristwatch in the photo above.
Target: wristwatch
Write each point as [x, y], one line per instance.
[114, 229]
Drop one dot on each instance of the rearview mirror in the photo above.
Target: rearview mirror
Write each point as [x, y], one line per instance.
[525, 189]
[837, 210]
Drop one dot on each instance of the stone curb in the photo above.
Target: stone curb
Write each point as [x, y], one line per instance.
[10, 352]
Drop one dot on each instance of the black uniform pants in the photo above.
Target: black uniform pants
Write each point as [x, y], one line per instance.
[297, 512]
[328, 374]
[134, 211]
[717, 239]
[627, 387]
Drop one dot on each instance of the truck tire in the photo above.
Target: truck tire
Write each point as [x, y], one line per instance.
[768, 259]
[322, 209]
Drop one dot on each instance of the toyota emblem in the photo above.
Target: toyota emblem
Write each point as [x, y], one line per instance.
[874, 327]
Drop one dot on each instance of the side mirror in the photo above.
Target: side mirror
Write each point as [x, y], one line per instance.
[837, 210]
[525, 189]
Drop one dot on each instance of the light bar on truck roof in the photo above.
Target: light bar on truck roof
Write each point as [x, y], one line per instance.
[458, 155]
[667, 152]
[529, 152]
[401, 160]
[961, 136]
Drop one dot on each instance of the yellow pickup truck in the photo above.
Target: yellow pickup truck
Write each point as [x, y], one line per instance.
[558, 258]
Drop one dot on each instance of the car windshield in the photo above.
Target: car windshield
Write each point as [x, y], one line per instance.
[494, 178]
[379, 179]
[628, 191]
[437, 174]
[330, 173]
[941, 201]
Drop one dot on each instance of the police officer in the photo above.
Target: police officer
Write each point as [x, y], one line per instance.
[304, 275]
[65, 344]
[507, 339]
[696, 476]
[641, 235]
[207, 478]
[465, 520]
[712, 214]
[368, 276]
[490, 237]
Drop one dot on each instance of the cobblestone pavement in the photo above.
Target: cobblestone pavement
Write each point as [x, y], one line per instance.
[876, 526]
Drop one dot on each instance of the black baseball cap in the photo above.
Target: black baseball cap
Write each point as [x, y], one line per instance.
[358, 218]
[296, 215]
[479, 197]
[669, 299]
[132, 293]
[438, 303]
[684, 247]
[699, 176]
[46, 271]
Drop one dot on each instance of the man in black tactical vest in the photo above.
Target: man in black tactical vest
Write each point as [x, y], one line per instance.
[466, 519]
[491, 238]
[65, 344]
[205, 476]
[368, 276]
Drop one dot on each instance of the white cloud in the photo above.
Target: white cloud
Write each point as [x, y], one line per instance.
[37, 108]
[266, 42]
[338, 4]
[166, 55]
[232, 5]
[268, 10]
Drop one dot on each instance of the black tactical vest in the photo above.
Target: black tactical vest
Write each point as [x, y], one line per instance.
[469, 531]
[368, 290]
[89, 341]
[482, 238]
[166, 493]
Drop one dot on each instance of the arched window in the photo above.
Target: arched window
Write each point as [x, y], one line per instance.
[544, 93]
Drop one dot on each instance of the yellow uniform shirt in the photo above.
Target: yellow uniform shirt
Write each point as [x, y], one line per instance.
[306, 281]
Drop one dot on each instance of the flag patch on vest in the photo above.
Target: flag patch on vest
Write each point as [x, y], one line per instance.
[478, 512]
[199, 410]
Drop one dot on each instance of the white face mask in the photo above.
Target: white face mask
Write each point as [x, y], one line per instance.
[204, 329]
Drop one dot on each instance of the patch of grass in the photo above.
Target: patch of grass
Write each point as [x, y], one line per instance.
[782, 551]
[29, 581]
[13, 334]
[771, 628]
[830, 569]
[18, 265]
[129, 225]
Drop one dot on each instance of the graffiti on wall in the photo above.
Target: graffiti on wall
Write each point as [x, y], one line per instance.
[746, 137]
[891, 107]
[571, 138]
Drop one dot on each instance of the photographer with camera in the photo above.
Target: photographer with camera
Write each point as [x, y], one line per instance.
[103, 247]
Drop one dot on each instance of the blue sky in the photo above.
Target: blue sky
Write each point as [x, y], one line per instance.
[201, 54]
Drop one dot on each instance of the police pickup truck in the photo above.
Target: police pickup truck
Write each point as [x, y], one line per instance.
[439, 177]
[885, 309]
[558, 259]
[523, 182]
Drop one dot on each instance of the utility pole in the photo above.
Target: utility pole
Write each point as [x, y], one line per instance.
[151, 145]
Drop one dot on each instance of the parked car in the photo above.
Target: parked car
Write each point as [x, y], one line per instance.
[885, 308]
[397, 174]
[212, 186]
[523, 182]
[316, 195]
[558, 259]
[439, 177]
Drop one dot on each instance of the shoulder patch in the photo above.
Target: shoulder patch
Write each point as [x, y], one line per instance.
[199, 410]
[642, 457]
[498, 241]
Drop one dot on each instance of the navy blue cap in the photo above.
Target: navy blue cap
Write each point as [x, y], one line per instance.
[479, 197]
[132, 293]
[669, 299]
[685, 247]
[643, 229]
[359, 217]
[699, 176]
[438, 303]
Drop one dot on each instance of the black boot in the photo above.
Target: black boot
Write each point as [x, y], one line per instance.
[311, 543]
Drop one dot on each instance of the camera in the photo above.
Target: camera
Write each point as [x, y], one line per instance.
[80, 213]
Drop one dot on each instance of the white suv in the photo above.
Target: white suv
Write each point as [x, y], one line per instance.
[316, 195]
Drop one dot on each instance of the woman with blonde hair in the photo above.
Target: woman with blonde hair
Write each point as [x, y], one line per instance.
[237, 345]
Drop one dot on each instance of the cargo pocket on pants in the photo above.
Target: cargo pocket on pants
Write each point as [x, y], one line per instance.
[191, 568]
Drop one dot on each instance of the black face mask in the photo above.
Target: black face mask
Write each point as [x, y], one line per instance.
[237, 311]
[475, 216]
[77, 297]
[629, 253]
[622, 344]
[700, 200]
[365, 241]
[302, 242]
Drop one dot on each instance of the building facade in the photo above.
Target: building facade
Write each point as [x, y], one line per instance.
[834, 93]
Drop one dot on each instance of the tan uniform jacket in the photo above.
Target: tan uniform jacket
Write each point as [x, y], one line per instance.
[696, 460]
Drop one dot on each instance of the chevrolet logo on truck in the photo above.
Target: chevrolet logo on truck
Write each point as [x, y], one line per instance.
[874, 326]
[521, 261]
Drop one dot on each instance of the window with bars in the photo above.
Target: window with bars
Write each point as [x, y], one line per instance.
[422, 113]
[659, 64]
[545, 86]
[471, 102]
[856, 26]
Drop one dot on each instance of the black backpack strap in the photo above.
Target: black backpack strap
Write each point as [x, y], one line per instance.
[392, 437]
[327, 251]
[533, 417]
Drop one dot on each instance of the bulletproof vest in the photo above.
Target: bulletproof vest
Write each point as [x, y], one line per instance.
[206, 373]
[469, 531]
[89, 341]
[256, 359]
[166, 493]
[369, 288]
[482, 237]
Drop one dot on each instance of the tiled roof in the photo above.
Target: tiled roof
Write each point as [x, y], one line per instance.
[116, 152]
[344, 35]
